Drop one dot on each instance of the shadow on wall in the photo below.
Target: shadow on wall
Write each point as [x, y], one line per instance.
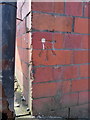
[21, 72]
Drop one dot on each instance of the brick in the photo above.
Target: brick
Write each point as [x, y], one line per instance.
[59, 7]
[79, 85]
[43, 22]
[81, 25]
[39, 105]
[88, 70]
[19, 41]
[51, 89]
[43, 74]
[72, 41]
[17, 31]
[63, 24]
[88, 57]
[17, 22]
[83, 70]
[42, 6]
[26, 41]
[80, 57]
[65, 87]
[44, 90]
[20, 53]
[25, 69]
[37, 36]
[69, 100]
[74, 8]
[68, 56]
[85, 40]
[58, 73]
[59, 40]
[71, 72]
[86, 9]
[49, 22]
[49, 58]
[17, 59]
[25, 55]
[21, 28]
[48, 107]
[36, 40]
[50, 74]
[83, 97]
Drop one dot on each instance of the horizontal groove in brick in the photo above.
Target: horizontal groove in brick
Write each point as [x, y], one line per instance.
[61, 80]
[57, 14]
[60, 65]
[56, 73]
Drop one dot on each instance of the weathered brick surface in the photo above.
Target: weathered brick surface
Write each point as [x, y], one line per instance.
[39, 6]
[83, 70]
[63, 24]
[49, 7]
[80, 57]
[51, 89]
[83, 97]
[58, 7]
[80, 85]
[81, 25]
[86, 9]
[23, 44]
[61, 70]
[48, 57]
[70, 100]
[68, 57]
[74, 9]
[50, 22]
[43, 21]
[71, 72]
[72, 41]
[48, 107]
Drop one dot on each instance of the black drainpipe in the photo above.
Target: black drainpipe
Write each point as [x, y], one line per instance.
[8, 50]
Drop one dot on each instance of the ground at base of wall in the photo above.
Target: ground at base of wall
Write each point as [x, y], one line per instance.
[28, 118]
[20, 105]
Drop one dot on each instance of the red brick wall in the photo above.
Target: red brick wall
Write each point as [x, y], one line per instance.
[23, 48]
[60, 75]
